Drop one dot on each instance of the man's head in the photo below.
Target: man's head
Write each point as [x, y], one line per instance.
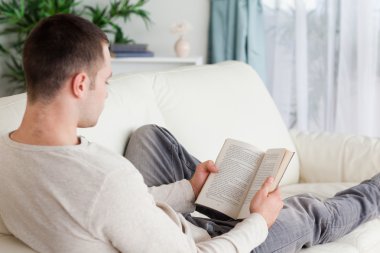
[59, 47]
[67, 53]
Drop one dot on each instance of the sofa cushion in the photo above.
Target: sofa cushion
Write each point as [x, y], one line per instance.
[11, 111]
[204, 105]
[327, 157]
[364, 239]
[207, 103]
[131, 103]
[319, 190]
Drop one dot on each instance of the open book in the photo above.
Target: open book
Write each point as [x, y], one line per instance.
[242, 170]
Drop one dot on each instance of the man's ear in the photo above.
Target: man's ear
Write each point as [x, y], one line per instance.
[79, 83]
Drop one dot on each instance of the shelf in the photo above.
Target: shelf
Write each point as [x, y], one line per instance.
[141, 64]
[192, 60]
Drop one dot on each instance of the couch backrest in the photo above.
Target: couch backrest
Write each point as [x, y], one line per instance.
[201, 105]
[205, 104]
[131, 103]
[11, 112]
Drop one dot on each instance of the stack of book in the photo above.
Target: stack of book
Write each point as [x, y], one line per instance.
[130, 50]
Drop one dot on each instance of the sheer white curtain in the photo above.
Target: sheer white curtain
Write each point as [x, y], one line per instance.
[323, 63]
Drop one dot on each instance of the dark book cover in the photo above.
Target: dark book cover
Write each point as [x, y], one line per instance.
[133, 54]
[126, 48]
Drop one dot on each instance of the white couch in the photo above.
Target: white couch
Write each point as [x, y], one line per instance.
[205, 104]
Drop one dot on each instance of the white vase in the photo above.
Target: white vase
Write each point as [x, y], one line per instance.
[182, 47]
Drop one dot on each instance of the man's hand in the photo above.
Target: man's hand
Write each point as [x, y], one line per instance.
[201, 173]
[268, 204]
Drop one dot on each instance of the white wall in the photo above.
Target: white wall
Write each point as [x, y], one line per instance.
[163, 14]
[159, 38]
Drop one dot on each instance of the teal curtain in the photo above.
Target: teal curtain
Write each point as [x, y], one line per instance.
[237, 33]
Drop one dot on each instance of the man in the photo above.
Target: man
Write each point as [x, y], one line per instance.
[65, 194]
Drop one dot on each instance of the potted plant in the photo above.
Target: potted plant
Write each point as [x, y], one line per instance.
[18, 18]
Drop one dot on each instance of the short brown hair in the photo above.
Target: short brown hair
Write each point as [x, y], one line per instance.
[57, 48]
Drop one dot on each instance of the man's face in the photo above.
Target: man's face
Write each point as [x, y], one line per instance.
[97, 93]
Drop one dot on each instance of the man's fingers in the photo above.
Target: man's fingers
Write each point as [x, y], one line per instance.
[210, 166]
[266, 185]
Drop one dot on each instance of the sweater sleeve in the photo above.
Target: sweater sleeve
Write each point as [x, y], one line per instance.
[126, 215]
[179, 195]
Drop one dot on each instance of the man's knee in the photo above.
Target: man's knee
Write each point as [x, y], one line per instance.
[150, 151]
[145, 132]
[145, 135]
[153, 135]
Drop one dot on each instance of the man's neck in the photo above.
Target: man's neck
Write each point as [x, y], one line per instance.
[45, 126]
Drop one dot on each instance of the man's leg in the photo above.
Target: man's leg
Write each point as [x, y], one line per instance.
[306, 221]
[162, 160]
[159, 157]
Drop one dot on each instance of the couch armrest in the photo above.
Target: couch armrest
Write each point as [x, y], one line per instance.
[327, 157]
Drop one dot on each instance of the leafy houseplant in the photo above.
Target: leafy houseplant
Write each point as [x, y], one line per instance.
[19, 17]
[105, 17]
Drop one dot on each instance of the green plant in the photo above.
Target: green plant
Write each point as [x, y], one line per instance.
[105, 17]
[19, 17]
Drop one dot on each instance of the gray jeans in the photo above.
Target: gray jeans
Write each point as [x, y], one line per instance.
[304, 221]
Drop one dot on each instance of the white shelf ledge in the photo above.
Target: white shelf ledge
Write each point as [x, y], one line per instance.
[194, 60]
[139, 64]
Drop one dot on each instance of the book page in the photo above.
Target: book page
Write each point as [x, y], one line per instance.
[268, 167]
[281, 170]
[225, 191]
